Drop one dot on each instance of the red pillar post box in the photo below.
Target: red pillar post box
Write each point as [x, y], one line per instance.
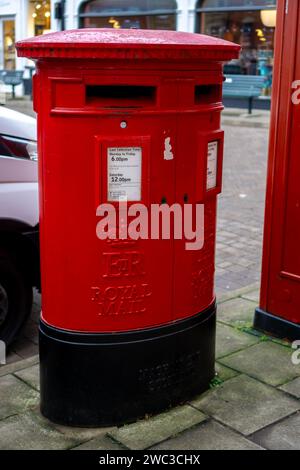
[279, 311]
[127, 326]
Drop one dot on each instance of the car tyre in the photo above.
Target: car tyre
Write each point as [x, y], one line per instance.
[15, 297]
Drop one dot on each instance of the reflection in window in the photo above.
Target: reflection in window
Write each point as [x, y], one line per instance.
[236, 3]
[250, 23]
[127, 14]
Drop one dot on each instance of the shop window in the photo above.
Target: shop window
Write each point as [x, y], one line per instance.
[250, 23]
[9, 57]
[41, 16]
[127, 14]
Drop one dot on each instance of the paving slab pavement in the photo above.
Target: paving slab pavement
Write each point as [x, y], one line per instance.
[28, 432]
[148, 432]
[292, 387]
[247, 407]
[268, 362]
[30, 376]
[15, 396]
[230, 340]
[211, 435]
[281, 436]
[100, 443]
[237, 312]
[224, 373]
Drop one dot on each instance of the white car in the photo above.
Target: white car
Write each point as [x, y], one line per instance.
[19, 251]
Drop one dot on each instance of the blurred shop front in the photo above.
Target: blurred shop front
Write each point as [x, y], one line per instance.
[18, 19]
[145, 14]
[250, 23]
[8, 25]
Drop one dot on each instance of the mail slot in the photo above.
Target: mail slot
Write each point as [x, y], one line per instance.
[128, 324]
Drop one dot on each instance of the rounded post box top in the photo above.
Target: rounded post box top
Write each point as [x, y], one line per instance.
[109, 43]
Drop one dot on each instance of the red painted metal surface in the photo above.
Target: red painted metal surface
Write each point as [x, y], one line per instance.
[280, 289]
[118, 285]
[127, 43]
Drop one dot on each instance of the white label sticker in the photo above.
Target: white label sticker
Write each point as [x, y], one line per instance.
[124, 173]
[212, 163]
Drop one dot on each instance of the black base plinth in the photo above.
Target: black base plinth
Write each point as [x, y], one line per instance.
[115, 378]
[276, 326]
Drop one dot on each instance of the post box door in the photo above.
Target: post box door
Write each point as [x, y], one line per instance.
[154, 275]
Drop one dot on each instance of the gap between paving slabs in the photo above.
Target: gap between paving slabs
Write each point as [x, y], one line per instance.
[148, 432]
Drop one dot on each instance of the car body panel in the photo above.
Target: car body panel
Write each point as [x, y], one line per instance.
[17, 124]
[17, 170]
[18, 176]
[19, 201]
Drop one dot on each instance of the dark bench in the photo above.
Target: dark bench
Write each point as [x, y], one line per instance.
[243, 86]
[12, 78]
